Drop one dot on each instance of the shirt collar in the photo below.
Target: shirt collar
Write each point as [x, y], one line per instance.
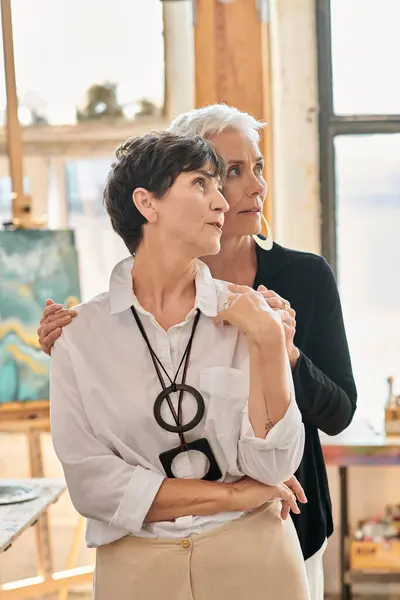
[122, 296]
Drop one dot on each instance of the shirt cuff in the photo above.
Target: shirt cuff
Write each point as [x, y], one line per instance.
[139, 496]
[281, 435]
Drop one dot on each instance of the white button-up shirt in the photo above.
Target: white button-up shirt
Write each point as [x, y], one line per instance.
[103, 388]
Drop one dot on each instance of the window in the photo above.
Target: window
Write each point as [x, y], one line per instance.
[359, 88]
[99, 247]
[87, 61]
[365, 54]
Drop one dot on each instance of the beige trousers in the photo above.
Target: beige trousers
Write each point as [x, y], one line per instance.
[255, 557]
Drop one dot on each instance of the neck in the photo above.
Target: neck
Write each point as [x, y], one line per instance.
[163, 280]
[236, 261]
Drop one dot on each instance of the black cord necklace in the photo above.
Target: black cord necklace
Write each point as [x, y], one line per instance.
[201, 445]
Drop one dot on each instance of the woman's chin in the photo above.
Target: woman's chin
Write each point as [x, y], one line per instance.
[212, 248]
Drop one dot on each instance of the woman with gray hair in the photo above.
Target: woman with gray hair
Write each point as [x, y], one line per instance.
[300, 284]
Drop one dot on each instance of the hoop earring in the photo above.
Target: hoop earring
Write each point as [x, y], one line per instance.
[265, 242]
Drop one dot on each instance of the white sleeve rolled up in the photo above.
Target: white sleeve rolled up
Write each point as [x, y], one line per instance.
[275, 458]
[102, 486]
[270, 460]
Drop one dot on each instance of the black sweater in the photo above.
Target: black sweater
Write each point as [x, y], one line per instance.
[325, 390]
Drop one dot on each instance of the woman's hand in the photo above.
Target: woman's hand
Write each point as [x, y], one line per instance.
[278, 303]
[249, 494]
[54, 318]
[294, 485]
[248, 311]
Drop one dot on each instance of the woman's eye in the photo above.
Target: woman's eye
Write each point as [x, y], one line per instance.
[233, 172]
[259, 169]
[200, 181]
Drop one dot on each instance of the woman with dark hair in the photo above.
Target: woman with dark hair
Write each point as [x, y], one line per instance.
[172, 402]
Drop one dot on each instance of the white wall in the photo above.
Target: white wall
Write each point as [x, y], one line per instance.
[295, 124]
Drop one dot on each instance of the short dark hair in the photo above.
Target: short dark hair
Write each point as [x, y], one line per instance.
[152, 161]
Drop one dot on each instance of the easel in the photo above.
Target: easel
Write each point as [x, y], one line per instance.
[31, 418]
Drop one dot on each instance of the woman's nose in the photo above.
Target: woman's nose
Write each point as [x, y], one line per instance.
[220, 204]
[257, 187]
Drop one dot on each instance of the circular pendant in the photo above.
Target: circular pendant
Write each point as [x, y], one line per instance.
[177, 387]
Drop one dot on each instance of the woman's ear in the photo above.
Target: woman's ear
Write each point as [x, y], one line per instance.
[146, 204]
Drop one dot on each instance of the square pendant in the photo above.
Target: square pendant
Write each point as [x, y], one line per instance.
[202, 445]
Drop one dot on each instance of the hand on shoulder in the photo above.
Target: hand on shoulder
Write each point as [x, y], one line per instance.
[54, 318]
[248, 311]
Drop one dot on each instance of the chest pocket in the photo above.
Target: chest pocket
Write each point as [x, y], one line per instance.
[225, 392]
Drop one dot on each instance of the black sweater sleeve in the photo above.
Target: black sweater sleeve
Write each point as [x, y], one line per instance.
[325, 389]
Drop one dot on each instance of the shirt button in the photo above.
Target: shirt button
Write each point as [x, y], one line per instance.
[186, 544]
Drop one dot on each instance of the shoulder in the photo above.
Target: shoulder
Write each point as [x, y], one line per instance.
[308, 263]
[96, 306]
[295, 264]
[91, 315]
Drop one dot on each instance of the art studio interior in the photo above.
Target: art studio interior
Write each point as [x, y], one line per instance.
[296, 106]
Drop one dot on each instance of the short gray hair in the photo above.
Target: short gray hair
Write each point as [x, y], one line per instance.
[215, 118]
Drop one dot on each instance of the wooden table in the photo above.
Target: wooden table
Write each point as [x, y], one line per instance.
[361, 444]
[16, 518]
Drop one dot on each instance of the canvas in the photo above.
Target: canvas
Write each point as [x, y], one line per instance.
[34, 265]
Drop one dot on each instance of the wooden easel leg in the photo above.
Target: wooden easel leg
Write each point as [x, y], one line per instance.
[45, 562]
[73, 553]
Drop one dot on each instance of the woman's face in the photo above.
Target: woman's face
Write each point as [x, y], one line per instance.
[244, 187]
[192, 212]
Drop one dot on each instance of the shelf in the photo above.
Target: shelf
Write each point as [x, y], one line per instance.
[372, 577]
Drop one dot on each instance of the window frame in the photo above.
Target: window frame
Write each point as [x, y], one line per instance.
[331, 125]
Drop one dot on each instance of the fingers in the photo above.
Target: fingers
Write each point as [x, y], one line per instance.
[285, 510]
[278, 303]
[289, 332]
[294, 485]
[239, 289]
[288, 319]
[48, 341]
[50, 310]
[274, 300]
[47, 328]
[57, 316]
[222, 315]
[286, 495]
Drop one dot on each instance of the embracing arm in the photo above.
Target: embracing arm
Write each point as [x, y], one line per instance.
[325, 389]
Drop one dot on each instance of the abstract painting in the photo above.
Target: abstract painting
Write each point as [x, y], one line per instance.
[34, 265]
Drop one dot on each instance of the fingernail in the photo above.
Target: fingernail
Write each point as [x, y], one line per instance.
[73, 313]
[262, 287]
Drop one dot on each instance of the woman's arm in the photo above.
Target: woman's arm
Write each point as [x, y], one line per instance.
[275, 455]
[270, 388]
[184, 497]
[104, 487]
[271, 441]
[325, 389]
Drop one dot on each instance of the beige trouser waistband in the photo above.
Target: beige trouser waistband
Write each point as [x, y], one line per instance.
[255, 557]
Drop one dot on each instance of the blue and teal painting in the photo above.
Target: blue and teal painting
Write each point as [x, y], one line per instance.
[34, 265]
